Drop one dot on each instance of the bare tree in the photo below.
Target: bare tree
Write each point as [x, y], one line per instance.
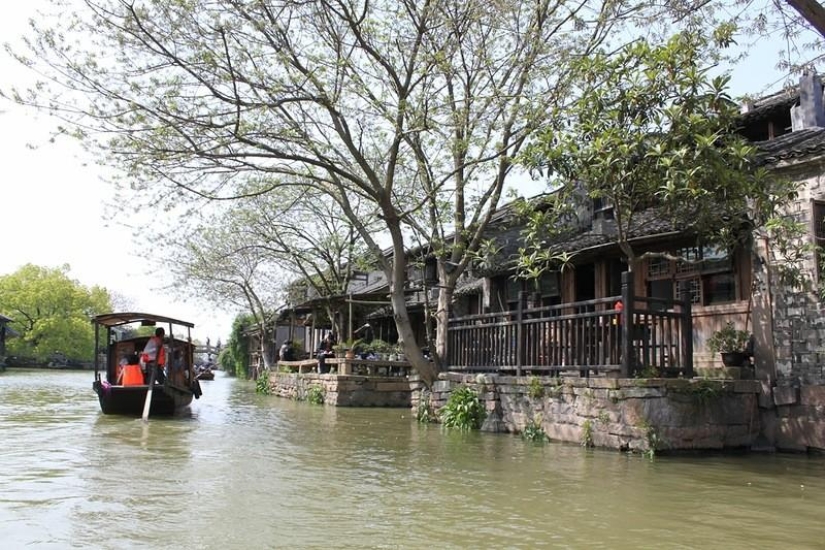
[416, 107]
[307, 236]
[216, 264]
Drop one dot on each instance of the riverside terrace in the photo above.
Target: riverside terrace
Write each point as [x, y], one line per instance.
[623, 336]
[597, 377]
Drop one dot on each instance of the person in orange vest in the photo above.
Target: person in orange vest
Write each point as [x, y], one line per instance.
[154, 354]
[130, 373]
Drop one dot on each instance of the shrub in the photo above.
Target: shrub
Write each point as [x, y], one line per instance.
[316, 395]
[463, 410]
[262, 383]
[535, 389]
[728, 339]
[424, 413]
[533, 431]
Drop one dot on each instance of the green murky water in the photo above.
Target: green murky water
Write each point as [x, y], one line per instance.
[245, 471]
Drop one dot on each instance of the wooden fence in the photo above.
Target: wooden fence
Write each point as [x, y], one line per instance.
[625, 333]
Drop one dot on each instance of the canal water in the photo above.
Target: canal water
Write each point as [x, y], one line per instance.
[244, 471]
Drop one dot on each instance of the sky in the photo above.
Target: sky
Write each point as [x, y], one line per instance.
[53, 201]
[53, 208]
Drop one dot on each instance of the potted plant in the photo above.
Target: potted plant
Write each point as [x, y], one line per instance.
[731, 343]
[380, 348]
[345, 349]
[399, 352]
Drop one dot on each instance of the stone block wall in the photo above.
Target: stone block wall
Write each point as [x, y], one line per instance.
[798, 326]
[795, 420]
[346, 390]
[622, 414]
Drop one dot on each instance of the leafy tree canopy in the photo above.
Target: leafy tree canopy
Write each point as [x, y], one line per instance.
[51, 312]
[652, 134]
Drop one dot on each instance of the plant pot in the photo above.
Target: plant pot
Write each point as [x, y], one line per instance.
[349, 354]
[733, 358]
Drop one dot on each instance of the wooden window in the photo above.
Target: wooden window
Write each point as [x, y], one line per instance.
[818, 230]
[703, 275]
[549, 284]
[602, 209]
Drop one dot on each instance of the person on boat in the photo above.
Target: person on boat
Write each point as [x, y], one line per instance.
[154, 355]
[131, 373]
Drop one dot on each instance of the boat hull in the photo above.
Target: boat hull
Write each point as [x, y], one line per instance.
[129, 400]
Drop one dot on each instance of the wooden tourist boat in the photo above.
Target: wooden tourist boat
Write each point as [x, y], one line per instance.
[206, 373]
[121, 387]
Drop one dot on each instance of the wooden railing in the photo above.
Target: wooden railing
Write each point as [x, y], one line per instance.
[356, 366]
[624, 333]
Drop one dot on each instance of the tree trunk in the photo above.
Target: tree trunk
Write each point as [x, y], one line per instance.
[442, 318]
[812, 11]
[265, 337]
[406, 335]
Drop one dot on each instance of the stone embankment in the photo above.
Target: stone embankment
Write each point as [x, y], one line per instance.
[624, 414]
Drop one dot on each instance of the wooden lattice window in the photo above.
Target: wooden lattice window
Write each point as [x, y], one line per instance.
[703, 275]
[818, 228]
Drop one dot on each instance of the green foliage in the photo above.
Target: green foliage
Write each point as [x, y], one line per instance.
[424, 414]
[365, 114]
[535, 389]
[653, 443]
[587, 433]
[345, 345]
[463, 410]
[547, 219]
[728, 339]
[533, 431]
[316, 394]
[649, 371]
[234, 358]
[703, 390]
[262, 383]
[653, 128]
[377, 346]
[51, 312]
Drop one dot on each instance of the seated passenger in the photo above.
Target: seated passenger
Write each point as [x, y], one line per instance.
[131, 373]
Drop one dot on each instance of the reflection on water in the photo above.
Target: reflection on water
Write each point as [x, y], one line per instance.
[240, 470]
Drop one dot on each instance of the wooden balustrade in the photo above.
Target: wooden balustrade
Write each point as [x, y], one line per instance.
[622, 333]
[356, 366]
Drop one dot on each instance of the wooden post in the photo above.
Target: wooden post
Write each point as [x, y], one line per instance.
[687, 339]
[522, 300]
[3, 339]
[628, 300]
[349, 326]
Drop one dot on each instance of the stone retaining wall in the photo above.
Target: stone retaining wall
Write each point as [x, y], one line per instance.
[346, 390]
[795, 419]
[622, 414]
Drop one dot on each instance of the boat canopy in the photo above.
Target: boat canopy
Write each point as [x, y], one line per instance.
[125, 318]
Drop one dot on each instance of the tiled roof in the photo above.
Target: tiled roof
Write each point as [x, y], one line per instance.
[796, 144]
[648, 223]
[768, 105]
[468, 285]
